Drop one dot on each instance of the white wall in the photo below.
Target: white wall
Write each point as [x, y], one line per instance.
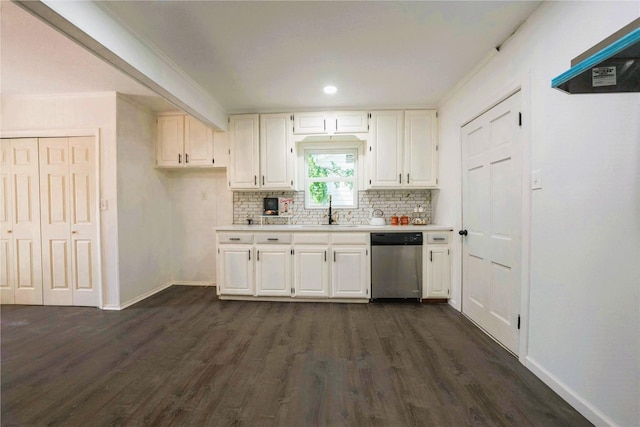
[39, 115]
[200, 202]
[144, 207]
[583, 323]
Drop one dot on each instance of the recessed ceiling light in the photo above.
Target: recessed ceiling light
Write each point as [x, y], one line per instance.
[330, 90]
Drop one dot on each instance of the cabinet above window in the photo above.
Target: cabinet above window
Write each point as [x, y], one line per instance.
[329, 123]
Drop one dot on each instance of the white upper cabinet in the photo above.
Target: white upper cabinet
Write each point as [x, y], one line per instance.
[221, 149]
[198, 143]
[351, 122]
[421, 148]
[337, 122]
[385, 149]
[170, 143]
[403, 149]
[309, 123]
[276, 152]
[183, 141]
[244, 145]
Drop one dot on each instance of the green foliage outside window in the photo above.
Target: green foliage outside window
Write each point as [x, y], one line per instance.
[319, 190]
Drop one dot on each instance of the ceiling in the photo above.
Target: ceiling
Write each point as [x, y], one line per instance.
[37, 60]
[276, 56]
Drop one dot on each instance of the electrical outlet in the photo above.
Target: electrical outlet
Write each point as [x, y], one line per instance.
[536, 180]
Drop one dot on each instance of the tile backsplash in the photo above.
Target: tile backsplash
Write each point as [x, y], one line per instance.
[249, 204]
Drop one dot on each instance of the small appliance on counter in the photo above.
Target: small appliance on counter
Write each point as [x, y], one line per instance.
[270, 206]
[377, 218]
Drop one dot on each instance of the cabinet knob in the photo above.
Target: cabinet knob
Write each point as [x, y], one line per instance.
[9, 231]
[74, 232]
[462, 232]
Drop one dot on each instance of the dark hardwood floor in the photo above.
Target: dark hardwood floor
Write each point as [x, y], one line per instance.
[184, 358]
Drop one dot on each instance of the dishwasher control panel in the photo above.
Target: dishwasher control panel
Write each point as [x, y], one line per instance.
[384, 239]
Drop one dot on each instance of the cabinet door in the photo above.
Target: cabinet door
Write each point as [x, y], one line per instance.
[349, 277]
[311, 271]
[438, 271]
[170, 142]
[236, 275]
[276, 151]
[244, 145]
[385, 150]
[273, 270]
[351, 121]
[420, 148]
[221, 149]
[198, 143]
[310, 123]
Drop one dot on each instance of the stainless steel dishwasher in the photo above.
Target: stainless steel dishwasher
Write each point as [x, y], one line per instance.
[396, 265]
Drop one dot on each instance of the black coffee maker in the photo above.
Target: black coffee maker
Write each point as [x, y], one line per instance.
[270, 206]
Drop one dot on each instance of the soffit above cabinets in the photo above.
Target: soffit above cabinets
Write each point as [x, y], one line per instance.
[611, 66]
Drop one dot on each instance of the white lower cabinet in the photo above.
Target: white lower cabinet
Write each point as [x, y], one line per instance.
[349, 278]
[439, 272]
[294, 265]
[311, 271]
[437, 262]
[273, 270]
[235, 275]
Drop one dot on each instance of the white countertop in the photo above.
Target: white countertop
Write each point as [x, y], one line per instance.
[333, 228]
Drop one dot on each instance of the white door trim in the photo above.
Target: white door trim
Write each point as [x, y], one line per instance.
[522, 84]
[61, 133]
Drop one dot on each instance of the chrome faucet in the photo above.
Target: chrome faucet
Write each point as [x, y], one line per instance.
[330, 214]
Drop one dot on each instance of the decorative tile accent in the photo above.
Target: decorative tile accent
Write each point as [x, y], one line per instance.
[248, 204]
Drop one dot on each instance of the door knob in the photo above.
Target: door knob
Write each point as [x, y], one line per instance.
[462, 232]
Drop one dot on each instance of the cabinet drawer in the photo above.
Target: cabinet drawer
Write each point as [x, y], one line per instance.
[311, 238]
[350, 238]
[274, 238]
[435, 238]
[235, 238]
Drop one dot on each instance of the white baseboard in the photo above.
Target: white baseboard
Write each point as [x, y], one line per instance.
[111, 307]
[193, 283]
[574, 399]
[145, 295]
[294, 300]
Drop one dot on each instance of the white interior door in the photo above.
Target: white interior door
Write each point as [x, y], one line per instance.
[20, 250]
[7, 286]
[84, 223]
[68, 221]
[491, 209]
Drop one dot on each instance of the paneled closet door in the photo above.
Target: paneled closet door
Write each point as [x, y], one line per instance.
[20, 246]
[69, 222]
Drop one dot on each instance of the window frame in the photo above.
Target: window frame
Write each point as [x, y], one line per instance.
[351, 147]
